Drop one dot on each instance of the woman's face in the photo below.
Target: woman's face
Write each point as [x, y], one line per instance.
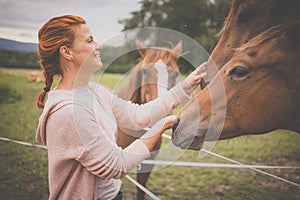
[85, 51]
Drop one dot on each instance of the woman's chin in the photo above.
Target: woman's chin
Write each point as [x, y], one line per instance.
[99, 64]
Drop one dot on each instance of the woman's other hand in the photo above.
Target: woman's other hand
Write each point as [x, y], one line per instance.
[155, 132]
[190, 83]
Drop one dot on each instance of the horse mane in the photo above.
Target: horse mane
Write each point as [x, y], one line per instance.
[269, 34]
[229, 17]
[131, 91]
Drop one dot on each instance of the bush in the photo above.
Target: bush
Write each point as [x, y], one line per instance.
[8, 95]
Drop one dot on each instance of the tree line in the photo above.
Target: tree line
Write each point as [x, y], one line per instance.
[12, 59]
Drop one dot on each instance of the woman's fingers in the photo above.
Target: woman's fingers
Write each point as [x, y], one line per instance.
[169, 121]
[201, 68]
[199, 77]
[193, 80]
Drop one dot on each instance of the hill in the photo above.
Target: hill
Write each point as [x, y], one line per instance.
[23, 47]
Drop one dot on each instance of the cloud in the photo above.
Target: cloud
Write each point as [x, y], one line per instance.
[25, 17]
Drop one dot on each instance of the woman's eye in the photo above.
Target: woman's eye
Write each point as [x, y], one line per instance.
[238, 72]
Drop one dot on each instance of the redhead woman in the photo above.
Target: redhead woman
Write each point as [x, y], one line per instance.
[80, 118]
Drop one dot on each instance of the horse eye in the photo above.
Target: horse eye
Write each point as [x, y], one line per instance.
[238, 72]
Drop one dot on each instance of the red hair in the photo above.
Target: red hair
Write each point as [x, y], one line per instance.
[57, 32]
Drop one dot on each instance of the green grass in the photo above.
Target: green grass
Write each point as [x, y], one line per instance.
[23, 170]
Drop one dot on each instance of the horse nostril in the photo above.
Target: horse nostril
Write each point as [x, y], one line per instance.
[175, 125]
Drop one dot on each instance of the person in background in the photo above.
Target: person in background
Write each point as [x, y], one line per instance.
[80, 118]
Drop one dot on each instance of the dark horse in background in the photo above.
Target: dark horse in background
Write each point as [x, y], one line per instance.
[257, 62]
[155, 73]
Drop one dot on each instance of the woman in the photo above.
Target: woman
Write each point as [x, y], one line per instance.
[80, 118]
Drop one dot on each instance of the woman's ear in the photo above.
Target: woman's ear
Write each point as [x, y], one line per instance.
[65, 53]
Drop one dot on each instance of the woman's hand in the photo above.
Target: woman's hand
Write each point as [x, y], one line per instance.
[166, 123]
[154, 133]
[190, 83]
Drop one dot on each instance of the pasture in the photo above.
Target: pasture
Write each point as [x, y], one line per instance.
[23, 170]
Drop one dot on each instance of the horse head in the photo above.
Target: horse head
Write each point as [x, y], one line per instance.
[245, 20]
[155, 72]
[261, 88]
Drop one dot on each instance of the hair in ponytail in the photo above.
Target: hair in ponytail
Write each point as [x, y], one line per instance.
[57, 32]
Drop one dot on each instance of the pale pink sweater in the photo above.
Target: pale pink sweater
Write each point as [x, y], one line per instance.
[79, 127]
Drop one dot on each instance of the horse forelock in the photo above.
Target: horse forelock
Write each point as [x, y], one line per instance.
[269, 34]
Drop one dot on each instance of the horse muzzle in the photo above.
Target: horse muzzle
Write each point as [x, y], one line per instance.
[182, 139]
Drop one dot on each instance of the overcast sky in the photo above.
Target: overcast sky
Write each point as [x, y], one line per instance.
[21, 19]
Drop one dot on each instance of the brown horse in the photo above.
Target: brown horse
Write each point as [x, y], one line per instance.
[261, 82]
[154, 74]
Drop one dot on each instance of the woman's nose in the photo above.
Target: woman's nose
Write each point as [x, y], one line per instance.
[98, 46]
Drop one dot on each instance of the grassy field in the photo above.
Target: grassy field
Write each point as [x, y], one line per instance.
[23, 170]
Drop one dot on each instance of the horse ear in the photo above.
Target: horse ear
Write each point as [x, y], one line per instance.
[141, 47]
[178, 48]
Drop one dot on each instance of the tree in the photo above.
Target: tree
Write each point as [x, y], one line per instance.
[199, 19]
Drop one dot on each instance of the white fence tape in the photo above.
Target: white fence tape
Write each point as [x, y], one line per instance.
[220, 165]
[257, 170]
[150, 194]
